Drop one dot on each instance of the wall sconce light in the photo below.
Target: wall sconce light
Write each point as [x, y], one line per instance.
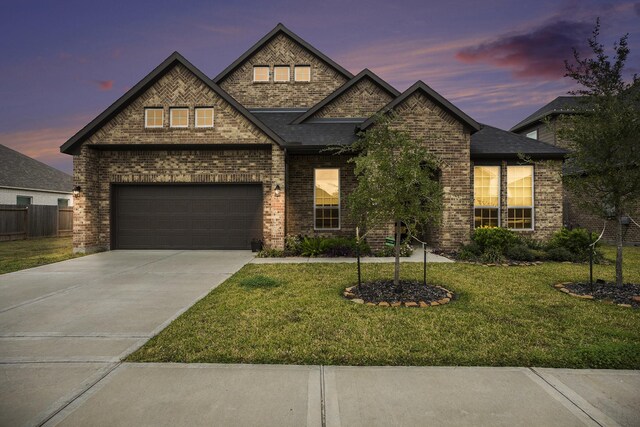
[76, 190]
[277, 190]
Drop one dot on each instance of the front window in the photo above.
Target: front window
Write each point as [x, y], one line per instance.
[261, 73]
[153, 117]
[281, 74]
[303, 73]
[533, 134]
[204, 117]
[327, 199]
[179, 117]
[24, 200]
[486, 196]
[520, 197]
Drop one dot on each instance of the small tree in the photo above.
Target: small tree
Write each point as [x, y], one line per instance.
[604, 137]
[397, 182]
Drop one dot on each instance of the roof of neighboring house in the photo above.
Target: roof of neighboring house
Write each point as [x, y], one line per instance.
[491, 142]
[560, 105]
[366, 73]
[20, 171]
[434, 96]
[174, 59]
[307, 136]
[277, 30]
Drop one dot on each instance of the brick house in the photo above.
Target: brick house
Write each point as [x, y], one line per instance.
[187, 161]
[542, 125]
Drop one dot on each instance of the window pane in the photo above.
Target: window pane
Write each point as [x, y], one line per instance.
[486, 186]
[520, 218]
[327, 198]
[260, 74]
[153, 117]
[485, 217]
[281, 74]
[23, 200]
[63, 203]
[303, 73]
[179, 117]
[520, 186]
[204, 117]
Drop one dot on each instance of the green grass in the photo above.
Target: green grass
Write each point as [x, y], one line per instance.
[20, 254]
[504, 316]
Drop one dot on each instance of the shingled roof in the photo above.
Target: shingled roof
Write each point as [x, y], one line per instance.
[494, 143]
[20, 171]
[560, 105]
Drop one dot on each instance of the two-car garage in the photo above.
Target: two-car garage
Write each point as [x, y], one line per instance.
[186, 216]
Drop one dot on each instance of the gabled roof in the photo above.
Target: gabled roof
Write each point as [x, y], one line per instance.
[20, 171]
[560, 105]
[491, 142]
[126, 99]
[366, 73]
[263, 41]
[420, 86]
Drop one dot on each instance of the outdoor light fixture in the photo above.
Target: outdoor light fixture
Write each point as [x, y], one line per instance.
[76, 190]
[277, 190]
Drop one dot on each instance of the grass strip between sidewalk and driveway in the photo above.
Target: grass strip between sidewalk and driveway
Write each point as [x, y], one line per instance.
[20, 254]
[503, 316]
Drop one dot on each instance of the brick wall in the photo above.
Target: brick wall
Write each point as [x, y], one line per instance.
[363, 99]
[282, 50]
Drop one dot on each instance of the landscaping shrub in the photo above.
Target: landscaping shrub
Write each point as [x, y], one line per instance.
[492, 255]
[311, 246]
[496, 239]
[533, 244]
[270, 253]
[561, 254]
[259, 281]
[293, 244]
[470, 252]
[389, 251]
[575, 241]
[520, 253]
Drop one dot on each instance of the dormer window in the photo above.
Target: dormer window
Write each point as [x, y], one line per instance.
[281, 73]
[533, 134]
[153, 117]
[179, 117]
[302, 73]
[261, 73]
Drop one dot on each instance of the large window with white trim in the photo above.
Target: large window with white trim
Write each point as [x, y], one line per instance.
[326, 196]
[153, 117]
[520, 197]
[179, 117]
[281, 73]
[261, 73]
[204, 117]
[302, 73]
[486, 196]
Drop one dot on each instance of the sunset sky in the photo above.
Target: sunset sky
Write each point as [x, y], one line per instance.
[64, 62]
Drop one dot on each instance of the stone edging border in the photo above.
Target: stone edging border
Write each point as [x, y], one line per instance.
[561, 287]
[418, 304]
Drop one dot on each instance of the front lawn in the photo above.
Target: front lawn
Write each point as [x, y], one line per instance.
[504, 316]
[20, 254]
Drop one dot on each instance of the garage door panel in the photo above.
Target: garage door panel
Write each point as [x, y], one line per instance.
[222, 216]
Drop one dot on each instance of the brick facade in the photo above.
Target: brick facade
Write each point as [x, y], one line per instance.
[281, 50]
[364, 99]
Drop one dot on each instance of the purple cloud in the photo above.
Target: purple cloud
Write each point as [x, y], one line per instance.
[538, 53]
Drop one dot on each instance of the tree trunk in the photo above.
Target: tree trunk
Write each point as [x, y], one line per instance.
[619, 251]
[396, 273]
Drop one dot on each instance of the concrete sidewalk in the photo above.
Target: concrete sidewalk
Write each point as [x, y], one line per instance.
[282, 395]
[416, 256]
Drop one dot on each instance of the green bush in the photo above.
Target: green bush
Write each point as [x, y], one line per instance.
[539, 255]
[492, 255]
[470, 252]
[293, 244]
[496, 239]
[534, 244]
[270, 253]
[311, 246]
[520, 253]
[575, 241]
[389, 251]
[259, 281]
[561, 255]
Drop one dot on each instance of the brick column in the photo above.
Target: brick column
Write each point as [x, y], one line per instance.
[275, 221]
[86, 222]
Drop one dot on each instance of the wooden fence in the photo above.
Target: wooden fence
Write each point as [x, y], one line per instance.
[25, 222]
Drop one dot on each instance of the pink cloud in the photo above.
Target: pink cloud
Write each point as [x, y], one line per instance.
[104, 85]
[536, 54]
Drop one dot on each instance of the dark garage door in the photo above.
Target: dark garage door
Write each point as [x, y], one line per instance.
[221, 216]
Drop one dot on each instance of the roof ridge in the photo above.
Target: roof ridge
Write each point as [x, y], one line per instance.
[365, 73]
[144, 84]
[543, 112]
[265, 39]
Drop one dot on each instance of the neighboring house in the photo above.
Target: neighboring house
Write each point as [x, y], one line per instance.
[542, 125]
[187, 161]
[25, 181]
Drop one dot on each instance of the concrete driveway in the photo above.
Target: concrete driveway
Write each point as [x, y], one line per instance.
[64, 326]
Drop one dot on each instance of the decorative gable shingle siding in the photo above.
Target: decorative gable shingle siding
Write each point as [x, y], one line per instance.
[97, 167]
[282, 50]
[364, 99]
[179, 87]
[447, 138]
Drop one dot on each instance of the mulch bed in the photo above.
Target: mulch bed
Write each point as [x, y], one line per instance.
[384, 293]
[627, 295]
